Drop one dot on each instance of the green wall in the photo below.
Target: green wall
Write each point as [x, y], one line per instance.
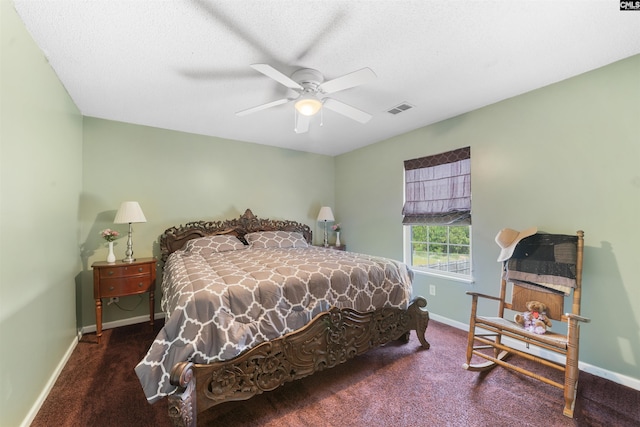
[40, 180]
[178, 177]
[562, 158]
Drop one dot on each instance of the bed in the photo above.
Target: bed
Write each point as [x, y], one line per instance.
[251, 304]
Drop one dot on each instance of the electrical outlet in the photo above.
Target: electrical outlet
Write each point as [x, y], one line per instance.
[432, 289]
[112, 300]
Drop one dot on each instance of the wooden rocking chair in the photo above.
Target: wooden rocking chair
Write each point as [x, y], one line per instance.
[494, 339]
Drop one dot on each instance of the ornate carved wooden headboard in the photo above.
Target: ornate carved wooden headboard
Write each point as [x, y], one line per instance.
[174, 238]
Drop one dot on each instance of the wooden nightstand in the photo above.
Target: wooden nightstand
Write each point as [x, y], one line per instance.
[121, 279]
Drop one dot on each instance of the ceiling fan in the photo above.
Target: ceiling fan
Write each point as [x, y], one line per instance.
[310, 87]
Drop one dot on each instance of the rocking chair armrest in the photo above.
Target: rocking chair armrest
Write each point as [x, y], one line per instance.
[571, 316]
[476, 294]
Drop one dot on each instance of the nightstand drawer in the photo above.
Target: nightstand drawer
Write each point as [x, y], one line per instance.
[124, 271]
[124, 286]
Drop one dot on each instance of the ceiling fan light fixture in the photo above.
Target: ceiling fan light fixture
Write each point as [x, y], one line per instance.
[308, 105]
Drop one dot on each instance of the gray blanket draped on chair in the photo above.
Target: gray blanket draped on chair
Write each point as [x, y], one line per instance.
[544, 262]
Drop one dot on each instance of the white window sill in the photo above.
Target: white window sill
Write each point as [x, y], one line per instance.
[454, 278]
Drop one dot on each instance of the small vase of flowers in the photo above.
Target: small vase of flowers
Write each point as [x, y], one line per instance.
[337, 228]
[110, 235]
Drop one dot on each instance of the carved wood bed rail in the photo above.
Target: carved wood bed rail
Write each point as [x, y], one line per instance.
[331, 338]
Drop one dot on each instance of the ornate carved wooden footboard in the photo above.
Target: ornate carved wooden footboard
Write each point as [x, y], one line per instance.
[330, 339]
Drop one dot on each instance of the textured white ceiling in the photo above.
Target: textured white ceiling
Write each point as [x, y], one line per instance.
[184, 65]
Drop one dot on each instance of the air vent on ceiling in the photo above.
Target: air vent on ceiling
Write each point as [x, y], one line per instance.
[400, 108]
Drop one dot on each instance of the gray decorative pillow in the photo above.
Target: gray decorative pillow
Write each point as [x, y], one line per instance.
[276, 239]
[212, 244]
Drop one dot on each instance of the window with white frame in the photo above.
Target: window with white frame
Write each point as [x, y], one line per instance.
[437, 213]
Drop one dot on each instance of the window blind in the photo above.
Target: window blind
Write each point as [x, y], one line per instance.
[438, 189]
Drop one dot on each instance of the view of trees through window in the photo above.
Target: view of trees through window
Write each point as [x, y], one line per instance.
[442, 248]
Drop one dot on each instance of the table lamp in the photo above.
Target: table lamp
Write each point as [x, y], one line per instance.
[129, 212]
[325, 215]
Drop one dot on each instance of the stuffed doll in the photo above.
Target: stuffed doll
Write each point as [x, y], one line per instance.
[535, 320]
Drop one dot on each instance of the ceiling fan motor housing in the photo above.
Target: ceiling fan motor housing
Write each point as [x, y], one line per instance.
[308, 78]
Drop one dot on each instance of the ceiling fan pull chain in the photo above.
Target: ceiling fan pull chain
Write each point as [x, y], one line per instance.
[321, 116]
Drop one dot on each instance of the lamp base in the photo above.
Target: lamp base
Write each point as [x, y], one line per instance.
[128, 255]
[326, 236]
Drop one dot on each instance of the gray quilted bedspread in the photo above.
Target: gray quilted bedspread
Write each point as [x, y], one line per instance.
[219, 306]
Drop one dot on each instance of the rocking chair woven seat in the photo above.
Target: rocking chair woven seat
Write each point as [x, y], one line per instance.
[493, 339]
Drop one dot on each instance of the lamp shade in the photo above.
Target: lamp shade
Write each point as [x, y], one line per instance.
[308, 105]
[129, 212]
[325, 214]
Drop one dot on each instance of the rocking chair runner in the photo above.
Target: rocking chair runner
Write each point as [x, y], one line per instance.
[494, 339]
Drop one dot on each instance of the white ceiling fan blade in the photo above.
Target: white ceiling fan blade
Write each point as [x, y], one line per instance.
[276, 75]
[347, 110]
[355, 78]
[262, 107]
[302, 123]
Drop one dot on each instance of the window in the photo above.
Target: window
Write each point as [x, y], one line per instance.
[444, 248]
[437, 213]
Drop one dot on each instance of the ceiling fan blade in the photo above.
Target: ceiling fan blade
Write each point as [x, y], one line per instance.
[347, 110]
[302, 123]
[262, 107]
[276, 75]
[362, 76]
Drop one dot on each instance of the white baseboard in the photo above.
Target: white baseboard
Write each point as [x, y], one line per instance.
[122, 322]
[47, 388]
[450, 322]
[624, 380]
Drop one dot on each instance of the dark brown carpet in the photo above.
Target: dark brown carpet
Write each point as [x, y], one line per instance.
[396, 385]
